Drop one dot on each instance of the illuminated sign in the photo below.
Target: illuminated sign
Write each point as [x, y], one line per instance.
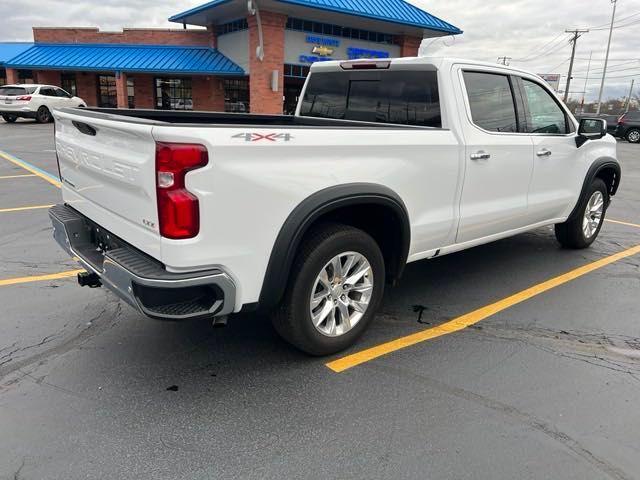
[325, 49]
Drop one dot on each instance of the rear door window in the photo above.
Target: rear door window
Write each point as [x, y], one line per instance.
[397, 97]
[15, 91]
[492, 101]
[47, 92]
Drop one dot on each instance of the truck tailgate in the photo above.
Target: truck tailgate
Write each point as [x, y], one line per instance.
[107, 167]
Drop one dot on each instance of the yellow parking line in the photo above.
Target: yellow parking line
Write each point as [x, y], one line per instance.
[39, 278]
[465, 321]
[29, 168]
[623, 223]
[7, 177]
[21, 209]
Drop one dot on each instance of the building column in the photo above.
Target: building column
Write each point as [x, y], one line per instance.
[409, 46]
[12, 76]
[48, 77]
[264, 97]
[213, 36]
[121, 90]
[208, 93]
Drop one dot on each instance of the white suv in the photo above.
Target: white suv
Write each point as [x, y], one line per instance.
[34, 101]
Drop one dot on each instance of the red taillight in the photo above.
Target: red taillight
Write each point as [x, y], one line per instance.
[24, 98]
[621, 120]
[178, 209]
[366, 65]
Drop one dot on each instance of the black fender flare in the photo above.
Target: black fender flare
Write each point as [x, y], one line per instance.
[306, 213]
[596, 167]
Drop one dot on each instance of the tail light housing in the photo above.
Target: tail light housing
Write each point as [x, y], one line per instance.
[621, 120]
[24, 98]
[178, 209]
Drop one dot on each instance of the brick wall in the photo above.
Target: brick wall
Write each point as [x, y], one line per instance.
[12, 76]
[148, 36]
[263, 99]
[144, 90]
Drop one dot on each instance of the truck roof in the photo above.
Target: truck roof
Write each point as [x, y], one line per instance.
[434, 61]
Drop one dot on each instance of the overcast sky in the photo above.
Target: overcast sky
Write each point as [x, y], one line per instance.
[531, 32]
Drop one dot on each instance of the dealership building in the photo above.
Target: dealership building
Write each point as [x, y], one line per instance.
[250, 56]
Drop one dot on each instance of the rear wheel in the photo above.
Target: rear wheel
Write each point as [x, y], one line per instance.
[43, 115]
[633, 136]
[582, 231]
[335, 289]
[9, 118]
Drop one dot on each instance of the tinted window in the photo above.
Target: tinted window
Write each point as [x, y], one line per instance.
[400, 97]
[491, 101]
[12, 91]
[62, 93]
[545, 115]
[632, 116]
[47, 92]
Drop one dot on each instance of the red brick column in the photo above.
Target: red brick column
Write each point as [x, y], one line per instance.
[409, 46]
[48, 77]
[213, 36]
[121, 90]
[263, 98]
[208, 93]
[144, 91]
[12, 76]
[87, 88]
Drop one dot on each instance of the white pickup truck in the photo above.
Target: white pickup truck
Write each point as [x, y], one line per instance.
[308, 217]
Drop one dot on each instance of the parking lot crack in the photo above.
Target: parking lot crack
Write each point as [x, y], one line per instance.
[533, 422]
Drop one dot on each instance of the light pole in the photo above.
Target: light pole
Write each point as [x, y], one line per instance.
[606, 59]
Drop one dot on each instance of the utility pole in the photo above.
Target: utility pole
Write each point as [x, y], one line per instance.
[606, 58]
[584, 92]
[626, 110]
[504, 60]
[576, 35]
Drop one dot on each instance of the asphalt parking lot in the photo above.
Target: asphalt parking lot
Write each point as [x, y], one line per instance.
[545, 384]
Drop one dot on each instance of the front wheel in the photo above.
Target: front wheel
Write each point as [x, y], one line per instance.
[43, 115]
[633, 136]
[582, 231]
[9, 118]
[336, 287]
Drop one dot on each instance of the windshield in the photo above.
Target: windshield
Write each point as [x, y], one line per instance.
[16, 91]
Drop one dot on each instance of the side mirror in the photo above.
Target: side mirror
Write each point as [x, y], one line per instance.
[591, 129]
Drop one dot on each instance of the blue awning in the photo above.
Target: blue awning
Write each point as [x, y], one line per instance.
[186, 60]
[8, 50]
[398, 12]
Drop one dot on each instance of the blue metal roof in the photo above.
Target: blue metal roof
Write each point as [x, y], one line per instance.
[8, 50]
[392, 11]
[127, 58]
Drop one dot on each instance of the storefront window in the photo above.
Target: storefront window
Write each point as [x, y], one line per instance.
[107, 93]
[174, 94]
[131, 93]
[236, 95]
[338, 31]
[69, 84]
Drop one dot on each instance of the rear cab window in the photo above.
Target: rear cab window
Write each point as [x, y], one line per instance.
[16, 91]
[401, 97]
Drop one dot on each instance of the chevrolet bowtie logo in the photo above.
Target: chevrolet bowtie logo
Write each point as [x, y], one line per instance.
[322, 51]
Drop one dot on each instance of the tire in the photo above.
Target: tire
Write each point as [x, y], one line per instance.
[9, 118]
[575, 233]
[44, 115]
[293, 319]
[633, 136]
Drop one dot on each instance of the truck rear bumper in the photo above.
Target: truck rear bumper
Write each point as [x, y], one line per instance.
[138, 279]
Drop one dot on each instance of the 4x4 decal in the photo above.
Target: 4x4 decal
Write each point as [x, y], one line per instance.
[269, 137]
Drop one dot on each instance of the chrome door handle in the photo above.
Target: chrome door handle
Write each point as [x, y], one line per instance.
[544, 153]
[481, 155]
